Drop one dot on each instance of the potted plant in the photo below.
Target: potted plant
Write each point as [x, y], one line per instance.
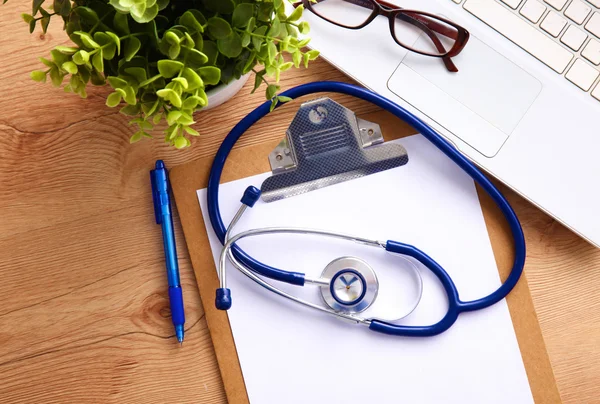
[162, 58]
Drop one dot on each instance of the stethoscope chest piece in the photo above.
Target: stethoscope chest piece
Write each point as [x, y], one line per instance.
[353, 285]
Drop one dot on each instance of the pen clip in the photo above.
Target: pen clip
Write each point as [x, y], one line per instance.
[155, 197]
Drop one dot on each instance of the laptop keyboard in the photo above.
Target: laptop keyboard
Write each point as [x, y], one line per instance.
[563, 34]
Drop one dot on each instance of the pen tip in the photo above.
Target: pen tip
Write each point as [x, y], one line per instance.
[160, 164]
[181, 344]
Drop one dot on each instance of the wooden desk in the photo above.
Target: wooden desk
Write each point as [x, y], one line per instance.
[83, 305]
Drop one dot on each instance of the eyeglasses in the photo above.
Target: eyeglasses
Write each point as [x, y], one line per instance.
[442, 38]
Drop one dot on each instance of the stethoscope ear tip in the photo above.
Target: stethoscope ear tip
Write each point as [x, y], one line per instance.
[223, 299]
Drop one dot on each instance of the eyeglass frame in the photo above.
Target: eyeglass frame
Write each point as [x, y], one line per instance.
[391, 11]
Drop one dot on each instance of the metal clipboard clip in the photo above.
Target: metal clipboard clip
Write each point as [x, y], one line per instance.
[327, 144]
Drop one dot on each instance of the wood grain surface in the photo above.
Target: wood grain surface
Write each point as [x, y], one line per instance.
[84, 311]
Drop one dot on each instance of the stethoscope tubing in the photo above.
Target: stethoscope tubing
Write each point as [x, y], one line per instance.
[456, 306]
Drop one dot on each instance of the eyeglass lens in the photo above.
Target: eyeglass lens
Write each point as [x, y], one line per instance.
[415, 31]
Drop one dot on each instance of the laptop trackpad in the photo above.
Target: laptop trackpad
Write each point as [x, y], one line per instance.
[481, 104]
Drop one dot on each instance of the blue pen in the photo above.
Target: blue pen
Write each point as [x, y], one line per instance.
[162, 213]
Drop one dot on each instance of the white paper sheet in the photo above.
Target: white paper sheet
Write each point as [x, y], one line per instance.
[290, 354]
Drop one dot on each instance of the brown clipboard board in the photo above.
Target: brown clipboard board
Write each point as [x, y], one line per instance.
[251, 160]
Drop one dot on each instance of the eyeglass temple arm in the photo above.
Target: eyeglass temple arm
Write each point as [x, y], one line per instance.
[425, 24]
[430, 24]
[434, 38]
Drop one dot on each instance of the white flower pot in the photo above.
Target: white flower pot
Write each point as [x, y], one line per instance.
[224, 92]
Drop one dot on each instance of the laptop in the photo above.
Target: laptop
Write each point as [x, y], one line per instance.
[524, 105]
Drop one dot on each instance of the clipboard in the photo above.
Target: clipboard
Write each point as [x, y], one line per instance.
[251, 160]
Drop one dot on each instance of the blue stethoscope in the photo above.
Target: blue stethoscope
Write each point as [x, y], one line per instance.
[349, 286]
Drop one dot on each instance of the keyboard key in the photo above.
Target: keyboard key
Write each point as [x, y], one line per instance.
[533, 10]
[578, 11]
[595, 2]
[592, 51]
[582, 75]
[553, 24]
[593, 24]
[521, 33]
[573, 38]
[512, 3]
[596, 92]
[557, 4]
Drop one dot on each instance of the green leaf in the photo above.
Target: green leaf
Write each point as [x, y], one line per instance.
[250, 63]
[272, 90]
[272, 51]
[32, 26]
[149, 14]
[242, 15]
[62, 7]
[138, 73]
[129, 96]
[45, 21]
[258, 79]
[97, 78]
[36, 6]
[121, 24]
[86, 15]
[58, 57]
[130, 110]
[169, 68]
[285, 66]
[150, 80]
[98, 61]
[70, 67]
[27, 17]
[171, 96]
[173, 116]
[283, 98]
[191, 131]
[136, 137]
[190, 103]
[87, 40]
[193, 79]
[275, 28]
[154, 107]
[273, 104]
[211, 51]
[81, 57]
[218, 27]
[257, 40]
[304, 28]
[182, 81]
[189, 21]
[56, 77]
[172, 38]
[297, 58]
[132, 46]
[220, 6]
[116, 41]
[66, 50]
[185, 119]
[116, 82]
[231, 46]
[246, 38]
[39, 76]
[47, 62]
[194, 58]
[312, 54]
[174, 51]
[210, 75]
[180, 142]
[296, 14]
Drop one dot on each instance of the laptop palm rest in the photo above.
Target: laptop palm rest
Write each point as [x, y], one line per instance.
[481, 104]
